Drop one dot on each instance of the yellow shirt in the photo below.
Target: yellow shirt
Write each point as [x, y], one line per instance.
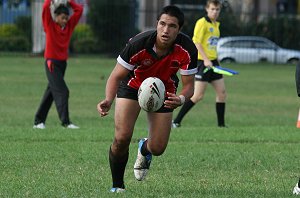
[207, 34]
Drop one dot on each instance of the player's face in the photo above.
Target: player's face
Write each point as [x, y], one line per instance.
[62, 19]
[213, 11]
[167, 30]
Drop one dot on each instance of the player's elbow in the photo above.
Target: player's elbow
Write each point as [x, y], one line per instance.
[189, 90]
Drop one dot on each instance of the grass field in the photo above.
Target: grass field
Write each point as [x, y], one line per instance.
[257, 156]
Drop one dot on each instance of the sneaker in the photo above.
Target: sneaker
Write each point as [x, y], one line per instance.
[175, 125]
[296, 190]
[117, 190]
[72, 126]
[39, 126]
[142, 163]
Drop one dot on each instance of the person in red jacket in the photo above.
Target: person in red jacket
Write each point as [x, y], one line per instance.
[58, 31]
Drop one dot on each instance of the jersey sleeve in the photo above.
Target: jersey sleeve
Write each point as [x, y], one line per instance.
[199, 31]
[77, 12]
[46, 14]
[188, 55]
[125, 57]
[189, 62]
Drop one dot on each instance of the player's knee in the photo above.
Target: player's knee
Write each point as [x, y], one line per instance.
[121, 143]
[222, 96]
[64, 92]
[197, 97]
[157, 151]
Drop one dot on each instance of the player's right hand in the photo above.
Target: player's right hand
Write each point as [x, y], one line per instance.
[173, 101]
[208, 63]
[103, 107]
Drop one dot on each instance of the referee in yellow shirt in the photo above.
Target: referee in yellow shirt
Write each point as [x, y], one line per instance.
[206, 36]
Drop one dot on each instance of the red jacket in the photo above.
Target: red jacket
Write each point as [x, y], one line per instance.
[58, 39]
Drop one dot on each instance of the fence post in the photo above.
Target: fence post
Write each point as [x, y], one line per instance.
[38, 35]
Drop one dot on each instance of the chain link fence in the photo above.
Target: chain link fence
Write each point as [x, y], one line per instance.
[21, 28]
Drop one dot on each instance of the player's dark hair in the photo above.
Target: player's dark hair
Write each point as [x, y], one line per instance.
[62, 9]
[174, 12]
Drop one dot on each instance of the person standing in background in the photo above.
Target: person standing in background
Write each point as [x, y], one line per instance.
[58, 27]
[206, 36]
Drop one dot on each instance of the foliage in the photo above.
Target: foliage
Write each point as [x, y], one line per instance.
[23, 23]
[229, 25]
[13, 39]
[191, 17]
[112, 22]
[284, 31]
[228, 20]
[14, 43]
[9, 30]
[82, 31]
[85, 45]
[83, 40]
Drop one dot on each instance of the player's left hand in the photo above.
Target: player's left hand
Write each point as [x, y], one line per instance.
[173, 101]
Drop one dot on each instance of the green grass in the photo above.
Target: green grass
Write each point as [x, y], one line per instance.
[257, 156]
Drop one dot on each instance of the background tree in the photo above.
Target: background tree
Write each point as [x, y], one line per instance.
[113, 23]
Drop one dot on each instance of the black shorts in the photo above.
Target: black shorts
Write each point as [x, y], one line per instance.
[208, 76]
[124, 91]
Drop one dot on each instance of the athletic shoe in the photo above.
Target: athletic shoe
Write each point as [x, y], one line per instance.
[142, 163]
[117, 190]
[175, 125]
[39, 126]
[296, 190]
[72, 126]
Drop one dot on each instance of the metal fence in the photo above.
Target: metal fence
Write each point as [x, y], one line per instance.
[22, 18]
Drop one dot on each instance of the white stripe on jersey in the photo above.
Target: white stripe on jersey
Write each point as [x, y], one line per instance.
[188, 72]
[124, 63]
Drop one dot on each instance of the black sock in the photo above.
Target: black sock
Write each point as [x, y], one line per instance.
[184, 109]
[117, 167]
[220, 109]
[144, 150]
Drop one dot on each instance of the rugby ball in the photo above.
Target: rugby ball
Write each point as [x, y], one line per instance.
[57, 3]
[151, 94]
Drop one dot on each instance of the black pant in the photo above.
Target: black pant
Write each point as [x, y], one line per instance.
[56, 90]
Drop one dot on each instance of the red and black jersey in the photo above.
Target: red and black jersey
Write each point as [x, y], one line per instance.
[140, 58]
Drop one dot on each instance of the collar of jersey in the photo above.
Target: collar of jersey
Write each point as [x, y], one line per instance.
[150, 44]
[208, 19]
